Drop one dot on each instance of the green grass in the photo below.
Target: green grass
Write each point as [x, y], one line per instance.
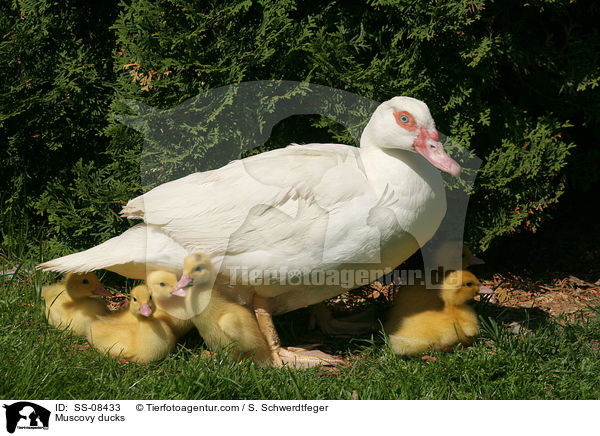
[556, 360]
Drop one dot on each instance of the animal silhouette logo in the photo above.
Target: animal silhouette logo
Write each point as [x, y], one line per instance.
[24, 414]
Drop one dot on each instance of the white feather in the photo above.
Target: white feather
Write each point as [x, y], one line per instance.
[139, 250]
[305, 207]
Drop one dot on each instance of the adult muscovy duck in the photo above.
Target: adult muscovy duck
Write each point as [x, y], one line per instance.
[296, 210]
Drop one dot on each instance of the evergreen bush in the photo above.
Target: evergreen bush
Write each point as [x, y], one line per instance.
[56, 85]
[516, 83]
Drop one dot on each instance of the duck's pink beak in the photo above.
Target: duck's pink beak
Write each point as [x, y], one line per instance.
[145, 309]
[183, 282]
[101, 290]
[485, 290]
[428, 146]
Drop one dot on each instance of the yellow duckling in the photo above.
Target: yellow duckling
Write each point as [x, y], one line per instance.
[423, 319]
[133, 334]
[170, 308]
[221, 322]
[71, 304]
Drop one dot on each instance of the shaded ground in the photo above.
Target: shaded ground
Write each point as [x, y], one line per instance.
[554, 273]
[557, 270]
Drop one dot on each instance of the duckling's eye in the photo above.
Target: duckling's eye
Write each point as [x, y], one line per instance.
[134, 299]
[85, 281]
[150, 297]
[162, 284]
[199, 268]
[469, 283]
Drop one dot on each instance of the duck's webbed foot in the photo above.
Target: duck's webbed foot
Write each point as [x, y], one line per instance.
[300, 357]
[292, 356]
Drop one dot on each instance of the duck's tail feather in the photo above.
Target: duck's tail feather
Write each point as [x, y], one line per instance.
[103, 256]
[130, 254]
[134, 209]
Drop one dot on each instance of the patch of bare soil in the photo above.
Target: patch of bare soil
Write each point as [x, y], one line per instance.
[519, 296]
[117, 301]
[555, 294]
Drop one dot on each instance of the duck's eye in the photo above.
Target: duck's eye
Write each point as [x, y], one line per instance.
[405, 120]
[134, 299]
[199, 268]
[163, 284]
[85, 281]
[469, 283]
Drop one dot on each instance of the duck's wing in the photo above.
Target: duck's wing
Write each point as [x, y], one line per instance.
[254, 211]
[203, 210]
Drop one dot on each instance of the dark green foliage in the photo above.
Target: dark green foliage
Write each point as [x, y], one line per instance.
[56, 85]
[516, 83]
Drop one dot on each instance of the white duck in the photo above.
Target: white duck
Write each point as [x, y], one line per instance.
[304, 208]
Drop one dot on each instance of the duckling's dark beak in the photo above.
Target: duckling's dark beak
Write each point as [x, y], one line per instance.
[101, 290]
[476, 261]
[184, 282]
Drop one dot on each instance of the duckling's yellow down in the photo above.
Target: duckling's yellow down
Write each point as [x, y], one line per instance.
[133, 334]
[71, 304]
[221, 322]
[169, 308]
[422, 319]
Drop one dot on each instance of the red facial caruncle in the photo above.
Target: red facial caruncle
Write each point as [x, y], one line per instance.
[424, 135]
[427, 144]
